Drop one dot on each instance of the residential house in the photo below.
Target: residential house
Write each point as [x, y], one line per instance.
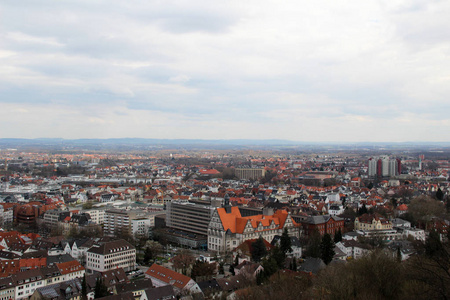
[182, 284]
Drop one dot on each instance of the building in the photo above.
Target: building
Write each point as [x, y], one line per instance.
[384, 167]
[322, 224]
[6, 214]
[249, 173]
[228, 228]
[111, 255]
[161, 276]
[97, 215]
[68, 290]
[140, 226]
[52, 217]
[189, 217]
[369, 222]
[118, 222]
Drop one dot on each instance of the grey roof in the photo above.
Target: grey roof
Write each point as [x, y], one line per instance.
[295, 242]
[312, 265]
[111, 247]
[134, 285]
[163, 292]
[56, 259]
[321, 219]
[57, 291]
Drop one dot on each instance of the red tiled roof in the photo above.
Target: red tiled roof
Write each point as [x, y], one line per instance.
[69, 267]
[168, 276]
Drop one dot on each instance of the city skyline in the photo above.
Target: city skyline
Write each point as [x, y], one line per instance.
[318, 72]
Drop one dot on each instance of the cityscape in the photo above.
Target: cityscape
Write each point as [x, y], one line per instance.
[178, 222]
[233, 150]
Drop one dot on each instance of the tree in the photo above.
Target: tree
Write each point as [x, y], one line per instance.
[202, 269]
[100, 289]
[84, 288]
[362, 210]
[258, 249]
[279, 256]
[424, 208]
[326, 249]
[374, 276]
[153, 247]
[439, 194]
[313, 245]
[183, 261]
[148, 255]
[87, 205]
[285, 242]
[338, 236]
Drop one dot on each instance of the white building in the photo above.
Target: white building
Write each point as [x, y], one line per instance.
[111, 255]
[140, 227]
[97, 215]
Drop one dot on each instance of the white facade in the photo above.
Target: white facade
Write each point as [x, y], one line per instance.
[140, 227]
[97, 215]
[111, 255]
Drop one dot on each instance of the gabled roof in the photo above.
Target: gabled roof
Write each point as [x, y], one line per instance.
[234, 222]
[69, 267]
[168, 276]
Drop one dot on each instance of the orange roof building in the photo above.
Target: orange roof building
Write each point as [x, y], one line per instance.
[161, 276]
[228, 228]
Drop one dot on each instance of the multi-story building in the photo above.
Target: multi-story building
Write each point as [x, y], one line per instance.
[189, 217]
[249, 173]
[228, 228]
[118, 222]
[140, 226]
[111, 255]
[369, 222]
[384, 167]
[323, 224]
[52, 217]
[6, 214]
[97, 215]
[26, 282]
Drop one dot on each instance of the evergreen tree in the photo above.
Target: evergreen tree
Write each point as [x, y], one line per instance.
[258, 250]
[100, 289]
[148, 255]
[338, 236]
[399, 254]
[84, 287]
[439, 194]
[285, 242]
[232, 270]
[294, 265]
[278, 256]
[327, 249]
[433, 245]
[313, 245]
[362, 210]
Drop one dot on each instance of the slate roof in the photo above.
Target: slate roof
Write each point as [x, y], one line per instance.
[111, 247]
[163, 292]
[312, 265]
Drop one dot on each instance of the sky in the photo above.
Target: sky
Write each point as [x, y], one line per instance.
[318, 71]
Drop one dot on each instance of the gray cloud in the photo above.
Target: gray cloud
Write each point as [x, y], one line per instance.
[333, 71]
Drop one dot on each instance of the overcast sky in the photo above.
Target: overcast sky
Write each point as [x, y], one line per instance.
[298, 70]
